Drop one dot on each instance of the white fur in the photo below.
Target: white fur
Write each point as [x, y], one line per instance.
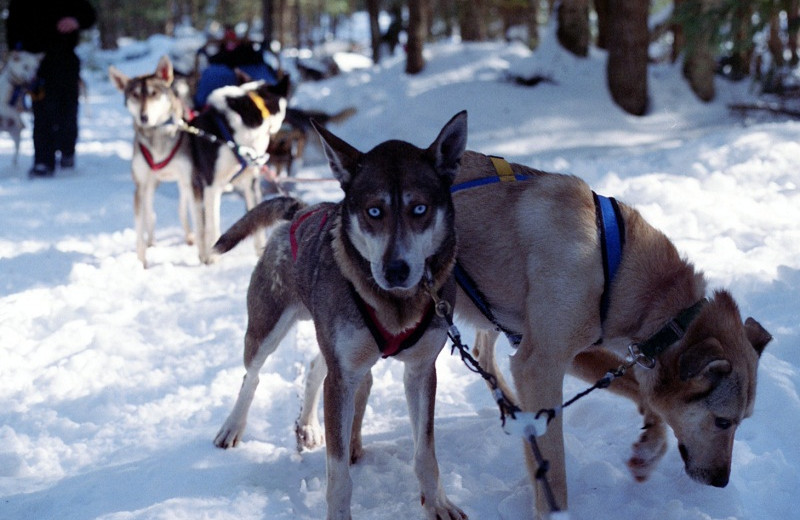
[19, 71]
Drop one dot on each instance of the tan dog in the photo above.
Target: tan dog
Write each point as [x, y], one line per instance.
[363, 270]
[541, 233]
[532, 247]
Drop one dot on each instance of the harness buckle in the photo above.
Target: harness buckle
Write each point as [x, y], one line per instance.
[637, 356]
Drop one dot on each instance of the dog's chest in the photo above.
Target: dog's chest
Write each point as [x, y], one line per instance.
[164, 156]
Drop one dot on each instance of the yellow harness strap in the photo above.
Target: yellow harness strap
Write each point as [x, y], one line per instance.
[503, 169]
[259, 102]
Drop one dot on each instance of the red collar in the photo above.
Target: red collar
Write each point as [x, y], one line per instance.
[390, 344]
[149, 156]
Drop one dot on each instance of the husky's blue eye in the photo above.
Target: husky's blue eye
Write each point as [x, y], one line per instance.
[374, 212]
[420, 209]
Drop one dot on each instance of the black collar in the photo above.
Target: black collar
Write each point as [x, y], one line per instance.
[671, 332]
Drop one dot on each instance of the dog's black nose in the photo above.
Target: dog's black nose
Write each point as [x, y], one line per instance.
[396, 272]
[720, 478]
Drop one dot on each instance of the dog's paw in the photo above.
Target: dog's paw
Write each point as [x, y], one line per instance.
[229, 435]
[442, 509]
[309, 436]
[647, 452]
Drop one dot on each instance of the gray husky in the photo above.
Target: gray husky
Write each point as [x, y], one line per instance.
[366, 270]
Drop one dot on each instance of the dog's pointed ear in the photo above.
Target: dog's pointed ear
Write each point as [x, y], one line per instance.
[164, 70]
[281, 88]
[756, 335]
[118, 79]
[449, 146]
[704, 359]
[342, 157]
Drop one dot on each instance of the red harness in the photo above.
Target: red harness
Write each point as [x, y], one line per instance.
[388, 343]
[149, 156]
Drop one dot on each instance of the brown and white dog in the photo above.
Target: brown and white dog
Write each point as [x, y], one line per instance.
[379, 254]
[16, 79]
[532, 249]
[205, 160]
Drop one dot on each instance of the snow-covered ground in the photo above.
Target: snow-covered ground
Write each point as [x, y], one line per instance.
[114, 379]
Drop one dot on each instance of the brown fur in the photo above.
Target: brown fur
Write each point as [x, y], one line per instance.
[541, 235]
[389, 238]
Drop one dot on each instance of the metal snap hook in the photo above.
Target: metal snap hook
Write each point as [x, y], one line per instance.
[637, 356]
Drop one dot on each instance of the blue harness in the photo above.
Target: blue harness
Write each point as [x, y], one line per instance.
[610, 225]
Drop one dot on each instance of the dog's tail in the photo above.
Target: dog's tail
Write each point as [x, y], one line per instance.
[342, 116]
[265, 214]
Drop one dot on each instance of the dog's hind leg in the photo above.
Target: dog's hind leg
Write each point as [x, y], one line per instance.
[269, 319]
[185, 210]
[483, 350]
[307, 428]
[208, 234]
[591, 365]
[16, 136]
[251, 189]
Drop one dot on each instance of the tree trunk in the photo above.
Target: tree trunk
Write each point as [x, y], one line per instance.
[472, 20]
[417, 29]
[108, 25]
[699, 65]
[373, 11]
[628, 40]
[573, 26]
[532, 19]
[601, 7]
[268, 19]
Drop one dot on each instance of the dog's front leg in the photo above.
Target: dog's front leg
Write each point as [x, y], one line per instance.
[212, 198]
[420, 387]
[648, 450]
[339, 403]
[185, 209]
[143, 217]
[538, 377]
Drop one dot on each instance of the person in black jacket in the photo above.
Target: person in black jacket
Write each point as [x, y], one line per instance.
[52, 27]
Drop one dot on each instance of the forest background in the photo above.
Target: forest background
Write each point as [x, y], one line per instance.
[737, 39]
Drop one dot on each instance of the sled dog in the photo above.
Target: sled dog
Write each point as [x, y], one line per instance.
[531, 247]
[289, 149]
[16, 78]
[246, 116]
[204, 161]
[161, 152]
[365, 270]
